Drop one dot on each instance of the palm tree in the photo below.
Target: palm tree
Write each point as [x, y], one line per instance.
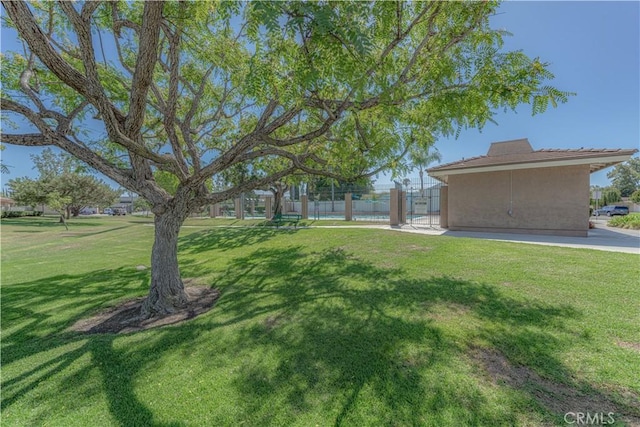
[421, 158]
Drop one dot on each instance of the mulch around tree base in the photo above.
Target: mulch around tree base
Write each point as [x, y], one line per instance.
[125, 317]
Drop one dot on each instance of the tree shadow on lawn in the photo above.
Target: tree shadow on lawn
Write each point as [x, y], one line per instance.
[333, 313]
[36, 317]
[340, 336]
[225, 239]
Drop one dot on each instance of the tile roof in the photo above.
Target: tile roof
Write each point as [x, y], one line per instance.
[515, 153]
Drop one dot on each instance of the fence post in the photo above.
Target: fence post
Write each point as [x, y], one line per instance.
[348, 207]
[304, 200]
[444, 206]
[403, 207]
[394, 204]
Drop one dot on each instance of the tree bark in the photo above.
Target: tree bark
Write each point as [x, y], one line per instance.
[63, 222]
[167, 293]
[278, 190]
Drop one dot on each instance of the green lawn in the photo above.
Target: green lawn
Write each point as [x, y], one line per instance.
[344, 327]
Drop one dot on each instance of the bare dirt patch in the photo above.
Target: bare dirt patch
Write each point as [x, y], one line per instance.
[556, 397]
[419, 248]
[630, 345]
[125, 317]
[446, 312]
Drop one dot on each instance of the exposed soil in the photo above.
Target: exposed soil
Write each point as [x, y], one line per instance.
[630, 345]
[557, 397]
[125, 317]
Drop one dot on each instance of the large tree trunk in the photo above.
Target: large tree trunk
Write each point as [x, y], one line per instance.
[167, 290]
[278, 190]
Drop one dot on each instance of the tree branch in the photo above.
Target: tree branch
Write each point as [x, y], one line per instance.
[247, 186]
[26, 139]
[39, 44]
[146, 61]
[169, 114]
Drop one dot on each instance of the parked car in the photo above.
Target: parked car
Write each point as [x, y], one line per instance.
[118, 211]
[108, 211]
[611, 210]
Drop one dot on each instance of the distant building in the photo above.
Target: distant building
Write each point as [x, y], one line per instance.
[6, 203]
[515, 189]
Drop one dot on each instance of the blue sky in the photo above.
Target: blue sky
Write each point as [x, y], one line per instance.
[593, 49]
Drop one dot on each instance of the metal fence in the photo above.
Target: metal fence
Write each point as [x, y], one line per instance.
[419, 205]
[422, 198]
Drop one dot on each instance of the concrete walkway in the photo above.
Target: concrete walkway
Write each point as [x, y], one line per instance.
[601, 238]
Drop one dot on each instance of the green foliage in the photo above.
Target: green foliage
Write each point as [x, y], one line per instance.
[140, 204]
[4, 168]
[635, 197]
[631, 221]
[344, 78]
[320, 188]
[610, 195]
[50, 164]
[18, 214]
[69, 192]
[28, 191]
[166, 180]
[625, 177]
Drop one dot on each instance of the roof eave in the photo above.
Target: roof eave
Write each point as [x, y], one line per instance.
[596, 164]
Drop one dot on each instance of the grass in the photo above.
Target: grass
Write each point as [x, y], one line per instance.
[631, 221]
[348, 327]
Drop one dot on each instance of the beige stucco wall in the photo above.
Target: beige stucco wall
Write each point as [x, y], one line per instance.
[551, 200]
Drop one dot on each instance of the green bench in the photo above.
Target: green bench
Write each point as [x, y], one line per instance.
[280, 219]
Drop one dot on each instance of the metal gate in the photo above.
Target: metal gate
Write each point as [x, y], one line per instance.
[422, 198]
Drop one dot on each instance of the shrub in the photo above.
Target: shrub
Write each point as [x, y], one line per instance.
[18, 214]
[628, 221]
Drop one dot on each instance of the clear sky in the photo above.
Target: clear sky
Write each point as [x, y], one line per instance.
[593, 49]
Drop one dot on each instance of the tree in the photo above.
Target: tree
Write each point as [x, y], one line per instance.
[421, 158]
[51, 164]
[626, 176]
[610, 195]
[278, 189]
[70, 192]
[59, 203]
[141, 205]
[635, 196]
[193, 89]
[29, 192]
[322, 188]
[62, 175]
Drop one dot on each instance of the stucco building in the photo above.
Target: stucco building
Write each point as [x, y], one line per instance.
[515, 189]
